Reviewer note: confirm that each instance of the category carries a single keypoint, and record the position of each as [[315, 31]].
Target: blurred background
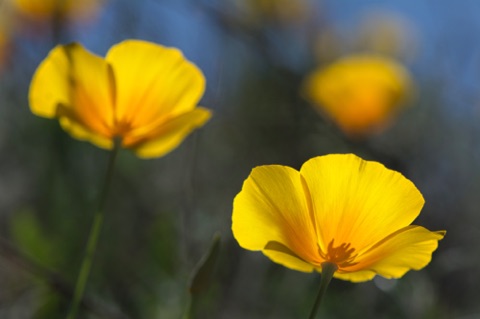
[[259, 57]]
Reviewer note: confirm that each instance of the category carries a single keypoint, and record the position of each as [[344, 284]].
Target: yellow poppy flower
[[142, 93], [46, 9], [337, 209], [360, 93]]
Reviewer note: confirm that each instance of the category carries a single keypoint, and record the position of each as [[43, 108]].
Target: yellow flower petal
[[358, 202], [168, 135], [408, 248], [285, 257], [78, 131], [49, 87], [357, 276], [272, 209], [75, 86], [153, 83]]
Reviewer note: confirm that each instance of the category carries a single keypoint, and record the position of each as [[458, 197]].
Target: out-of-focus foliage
[[202, 277], [32, 238], [162, 213]]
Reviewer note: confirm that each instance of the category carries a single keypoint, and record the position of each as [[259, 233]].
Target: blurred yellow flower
[[284, 11], [360, 93], [3, 45], [337, 209], [5, 35], [142, 93], [46, 9]]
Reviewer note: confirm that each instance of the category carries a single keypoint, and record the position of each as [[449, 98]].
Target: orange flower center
[[121, 128], [342, 255]]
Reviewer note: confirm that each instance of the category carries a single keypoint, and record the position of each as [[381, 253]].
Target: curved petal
[[79, 132], [272, 208], [74, 85], [288, 259], [357, 276], [167, 136], [408, 248], [49, 87], [152, 82], [358, 202]]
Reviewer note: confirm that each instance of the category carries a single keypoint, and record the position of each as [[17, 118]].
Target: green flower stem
[[328, 269], [93, 237]]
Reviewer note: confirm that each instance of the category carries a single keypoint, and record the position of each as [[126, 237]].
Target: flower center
[[121, 128], [342, 255]]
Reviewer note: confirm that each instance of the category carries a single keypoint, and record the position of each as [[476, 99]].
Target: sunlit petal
[[409, 248], [78, 131], [357, 201], [357, 276], [74, 84], [50, 87], [287, 259], [272, 209], [153, 83], [162, 139]]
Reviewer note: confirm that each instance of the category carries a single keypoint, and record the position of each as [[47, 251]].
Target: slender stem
[[54, 280], [188, 308], [328, 269], [93, 238]]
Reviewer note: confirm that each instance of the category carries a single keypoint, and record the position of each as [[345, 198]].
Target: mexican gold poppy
[[360, 93], [46, 9], [141, 93], [337, 209]]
